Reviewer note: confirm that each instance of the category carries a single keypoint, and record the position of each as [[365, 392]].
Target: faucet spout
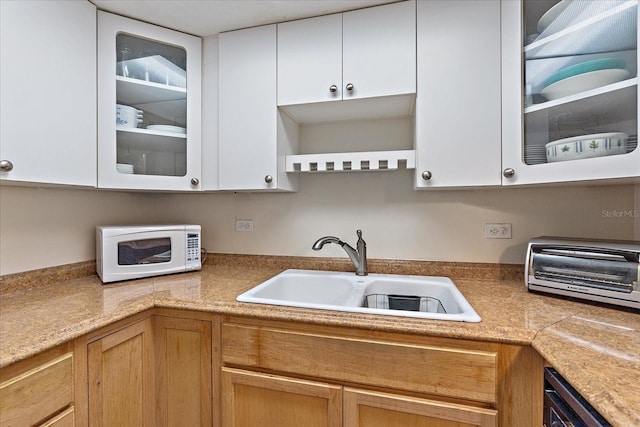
[[358, 256], [319, 244]]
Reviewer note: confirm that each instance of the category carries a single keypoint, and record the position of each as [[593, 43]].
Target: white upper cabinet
[[210, 109], [570, 91], [48, 86], [149, 106], [310, 60], [458, 126], [362, 55], [254, 137], [379, 51]]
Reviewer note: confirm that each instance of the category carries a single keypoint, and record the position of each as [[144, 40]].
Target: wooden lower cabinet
[[164, 368], [150, 370], [120, 379], [257, 399], [252, 399], [386, 379], [183, 372], [39, 390], [364, 408]]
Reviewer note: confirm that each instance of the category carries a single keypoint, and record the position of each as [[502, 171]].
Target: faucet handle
[[361, 265]]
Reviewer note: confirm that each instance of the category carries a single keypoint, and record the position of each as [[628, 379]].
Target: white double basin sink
[[427, 297]]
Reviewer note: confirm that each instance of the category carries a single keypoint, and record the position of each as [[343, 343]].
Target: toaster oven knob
[[509, 173], [195, 181]]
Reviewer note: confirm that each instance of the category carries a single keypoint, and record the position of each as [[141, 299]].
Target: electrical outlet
[[244, 225], [497, 231]]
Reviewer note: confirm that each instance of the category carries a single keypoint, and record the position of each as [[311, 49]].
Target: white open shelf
[[165, 101], [383, 107], [359, 161], [629, 84], [135, 91], [150, 140]]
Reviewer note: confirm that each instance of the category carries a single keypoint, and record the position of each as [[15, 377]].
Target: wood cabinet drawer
[[453, 372], [64, 419], [38, 393], [376, 409]]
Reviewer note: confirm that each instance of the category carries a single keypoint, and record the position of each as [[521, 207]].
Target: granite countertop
[[594, 347]]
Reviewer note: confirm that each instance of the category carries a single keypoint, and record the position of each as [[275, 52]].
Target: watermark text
[[616, 213]]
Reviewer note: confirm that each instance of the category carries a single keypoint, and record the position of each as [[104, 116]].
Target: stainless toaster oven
[[597, 270]]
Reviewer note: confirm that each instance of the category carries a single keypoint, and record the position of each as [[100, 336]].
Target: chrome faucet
[[358, 256]]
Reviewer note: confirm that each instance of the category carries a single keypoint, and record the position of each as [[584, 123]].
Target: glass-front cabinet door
[[570, 91], [149, 90]]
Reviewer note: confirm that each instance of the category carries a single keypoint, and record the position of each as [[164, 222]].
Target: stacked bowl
[[128, 117], [586, 146], [124, 168]]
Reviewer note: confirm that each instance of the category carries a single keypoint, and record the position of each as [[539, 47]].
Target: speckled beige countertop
[[597, 349]]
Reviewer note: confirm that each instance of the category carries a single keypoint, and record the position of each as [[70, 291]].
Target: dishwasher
[[564, 407]]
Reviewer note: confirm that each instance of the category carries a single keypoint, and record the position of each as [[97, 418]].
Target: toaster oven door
[[607, 272]]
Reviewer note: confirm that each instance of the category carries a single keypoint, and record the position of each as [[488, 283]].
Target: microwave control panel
[[193, 250]]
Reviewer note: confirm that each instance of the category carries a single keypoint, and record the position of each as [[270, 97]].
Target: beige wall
[[46, 227], [399, 223]]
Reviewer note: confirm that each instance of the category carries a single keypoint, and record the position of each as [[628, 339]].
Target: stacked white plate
[[128, 117], [124, 168], [632, 143], [535, 154], [167, 128], [552, 14]]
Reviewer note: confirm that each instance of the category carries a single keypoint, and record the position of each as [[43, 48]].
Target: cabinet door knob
[[508, 172], [6, 166], [195, 181], [426, 175], [349, 87], [268, 179], [333, 88]]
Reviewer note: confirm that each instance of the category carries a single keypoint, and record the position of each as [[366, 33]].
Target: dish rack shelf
[[629, 86], [585, 27], [404, 302], [347, 162]]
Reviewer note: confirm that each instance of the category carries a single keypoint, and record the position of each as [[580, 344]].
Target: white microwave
[[132, 252]]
